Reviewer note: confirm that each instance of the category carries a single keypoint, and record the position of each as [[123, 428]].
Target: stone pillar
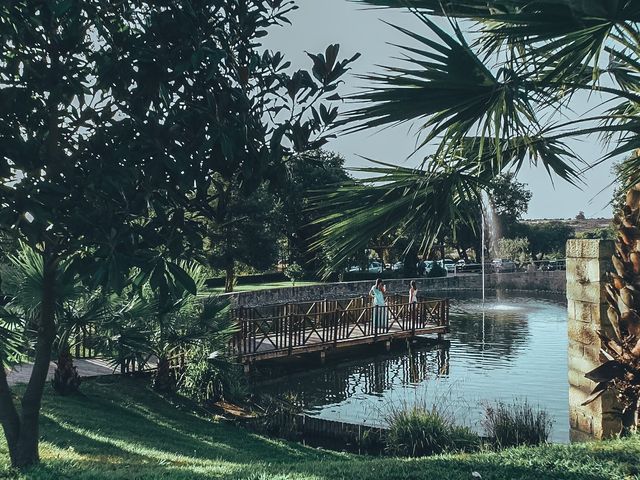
[[588, 261]]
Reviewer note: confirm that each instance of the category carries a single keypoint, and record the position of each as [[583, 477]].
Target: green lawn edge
[[118, 428]]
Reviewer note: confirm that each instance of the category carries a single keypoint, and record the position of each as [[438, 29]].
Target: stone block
[[580, 363], [581, 421], [588, 270], [587, 248], [576, 436], [583, 333], [590, 292], [578, 381]]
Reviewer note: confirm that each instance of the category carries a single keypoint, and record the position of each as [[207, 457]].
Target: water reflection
[[516, 348]]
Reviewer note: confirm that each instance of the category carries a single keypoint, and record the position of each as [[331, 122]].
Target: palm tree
[[487, 102], [76, 311], [161, 324]]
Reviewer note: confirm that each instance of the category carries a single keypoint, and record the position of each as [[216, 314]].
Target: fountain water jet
[[490, 219]]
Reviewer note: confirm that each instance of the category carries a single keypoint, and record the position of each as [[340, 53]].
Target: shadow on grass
[[355, 469], [140, 419], [120, 429]]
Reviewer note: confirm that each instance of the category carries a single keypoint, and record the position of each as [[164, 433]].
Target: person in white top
[[413, 292], [413, 301]]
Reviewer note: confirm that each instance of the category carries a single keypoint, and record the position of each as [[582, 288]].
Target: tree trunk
[[26, 449], [230, 277], [164, 381], [66, 379], [9, 417]]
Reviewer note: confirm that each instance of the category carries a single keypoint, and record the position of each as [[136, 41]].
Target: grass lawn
[[120, 429], [261, 286]]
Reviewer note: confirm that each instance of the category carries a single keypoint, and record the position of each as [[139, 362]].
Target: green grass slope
[[120, 429]]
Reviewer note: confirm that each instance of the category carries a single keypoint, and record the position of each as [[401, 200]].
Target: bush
[[437, 270], [209, 380], [294, 272], [416, 432], [518, 423]]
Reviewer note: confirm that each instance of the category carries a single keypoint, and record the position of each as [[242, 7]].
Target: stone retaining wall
[[554, 281]]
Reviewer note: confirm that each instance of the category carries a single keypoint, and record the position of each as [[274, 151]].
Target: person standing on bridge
[[413, 301], [413, 292], [379, 306]]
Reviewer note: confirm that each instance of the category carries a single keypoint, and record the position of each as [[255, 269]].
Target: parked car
[[375, 267], [555, 265], [448, 264], [428, 265], [502, 265], [469, 268], [397, 266]]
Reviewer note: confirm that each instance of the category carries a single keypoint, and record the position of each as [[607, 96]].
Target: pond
[[513, 349]]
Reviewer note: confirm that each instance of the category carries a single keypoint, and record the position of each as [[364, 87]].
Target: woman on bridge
[[379, 306]]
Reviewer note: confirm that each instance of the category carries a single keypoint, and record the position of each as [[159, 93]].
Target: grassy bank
[[119, 429], [262, 286]]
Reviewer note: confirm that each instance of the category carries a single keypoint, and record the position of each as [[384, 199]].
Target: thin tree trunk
[[9, 416], [27, 446], [230, 277]]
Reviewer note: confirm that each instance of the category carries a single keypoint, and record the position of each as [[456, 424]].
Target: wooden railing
[[294, 326]]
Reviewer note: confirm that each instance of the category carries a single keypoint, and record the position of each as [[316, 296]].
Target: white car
[[375, 267], [449, 265], [397, 266]]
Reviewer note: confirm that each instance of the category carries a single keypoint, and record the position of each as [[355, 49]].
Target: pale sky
[[318, 23]]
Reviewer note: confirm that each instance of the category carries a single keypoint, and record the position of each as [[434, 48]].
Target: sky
[[319, 23]]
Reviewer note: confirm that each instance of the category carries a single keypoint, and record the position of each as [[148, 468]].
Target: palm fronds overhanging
[[503, 94], [491, 85]]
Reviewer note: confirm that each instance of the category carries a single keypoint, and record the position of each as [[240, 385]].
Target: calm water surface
[[515, 349]]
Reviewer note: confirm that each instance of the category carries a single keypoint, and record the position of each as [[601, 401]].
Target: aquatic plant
[[417, 431], [517, 423]]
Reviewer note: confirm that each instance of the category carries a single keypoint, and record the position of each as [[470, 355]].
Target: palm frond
[[451, 92], [394, 197]]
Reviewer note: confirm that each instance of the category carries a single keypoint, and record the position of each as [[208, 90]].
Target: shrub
[[294, 272], [518, 423], [416, 431], [209, 380]]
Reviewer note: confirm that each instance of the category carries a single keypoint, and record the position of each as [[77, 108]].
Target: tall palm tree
[[492, 85]]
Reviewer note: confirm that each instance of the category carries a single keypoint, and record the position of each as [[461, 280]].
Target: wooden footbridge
[[283, 330]]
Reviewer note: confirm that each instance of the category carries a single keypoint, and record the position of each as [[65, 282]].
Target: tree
[[164, 325], [114, 120], [548, 238], [67, 193], [489, 104], [308, 174], [517, 249], [510, 201], [246, 233]]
